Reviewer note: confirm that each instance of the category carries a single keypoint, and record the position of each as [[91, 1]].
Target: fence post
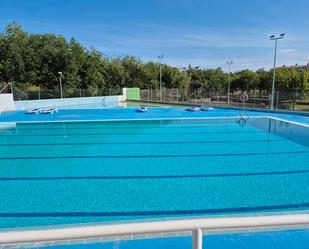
[[12, 88], [277, 102], [151, 94], [197, 239], [164, 95]]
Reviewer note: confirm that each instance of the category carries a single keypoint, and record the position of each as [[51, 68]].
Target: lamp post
[[274, 38], [160, 58], [60, 82], [229, 86]]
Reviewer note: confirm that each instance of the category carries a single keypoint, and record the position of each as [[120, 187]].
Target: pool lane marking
[[130, 134], [131, 119], [167, 123], [162, 127], [256, 116], [148, 124], [156, 156], [53, 178], [145, 143], [153, 213]]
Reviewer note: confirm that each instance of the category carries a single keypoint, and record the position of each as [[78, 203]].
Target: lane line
[[56, 178], [157, 156], [159, 212], [145, 143], [130, 134]]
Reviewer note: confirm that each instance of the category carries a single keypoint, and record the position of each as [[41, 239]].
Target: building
[[298, 68]]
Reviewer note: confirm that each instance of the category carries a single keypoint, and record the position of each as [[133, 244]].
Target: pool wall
[[6, 102], [46, 103]]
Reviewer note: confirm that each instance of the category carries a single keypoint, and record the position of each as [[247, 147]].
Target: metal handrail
[[10, 83], [194, 225]]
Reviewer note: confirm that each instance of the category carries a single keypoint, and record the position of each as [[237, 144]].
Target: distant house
[[298, 68]]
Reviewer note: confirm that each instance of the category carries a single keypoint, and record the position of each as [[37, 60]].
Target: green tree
[[245, 80], [197, 78], [12, 53], [93, 73], [32, 62], [265, 80], [217, 79]]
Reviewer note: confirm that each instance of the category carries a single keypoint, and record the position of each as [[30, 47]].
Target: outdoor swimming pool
[[78, 172]]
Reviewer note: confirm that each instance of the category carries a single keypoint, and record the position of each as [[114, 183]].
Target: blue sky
[[197, 32]]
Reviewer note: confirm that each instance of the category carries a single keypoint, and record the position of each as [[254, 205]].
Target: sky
[[197, 32]]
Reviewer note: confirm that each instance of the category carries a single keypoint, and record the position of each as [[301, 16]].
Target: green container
[[133, 93]]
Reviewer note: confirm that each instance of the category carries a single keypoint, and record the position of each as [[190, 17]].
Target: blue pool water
[[78, 172]]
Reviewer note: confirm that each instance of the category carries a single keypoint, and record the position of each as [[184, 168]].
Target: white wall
[[7, 102], [48, 103], [123, 97], [7, 125]]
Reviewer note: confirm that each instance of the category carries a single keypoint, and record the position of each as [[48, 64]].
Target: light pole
[[160, 58], [229, 86], [60, 82], [274, 38]]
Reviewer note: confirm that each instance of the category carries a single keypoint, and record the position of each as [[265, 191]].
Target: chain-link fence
[[167, 95], [292, 100], [286, 100], [37, 94]]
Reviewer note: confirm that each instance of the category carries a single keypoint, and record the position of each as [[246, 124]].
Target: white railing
[[196, 226]]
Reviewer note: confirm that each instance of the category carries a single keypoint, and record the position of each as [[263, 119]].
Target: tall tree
[[32, 61], [245, 80]]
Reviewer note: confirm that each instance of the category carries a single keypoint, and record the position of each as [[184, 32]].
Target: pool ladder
[[244, 117]]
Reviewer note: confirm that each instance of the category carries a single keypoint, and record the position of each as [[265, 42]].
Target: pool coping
[[140, 237], [288, 121], [161, 234], [156, 119]]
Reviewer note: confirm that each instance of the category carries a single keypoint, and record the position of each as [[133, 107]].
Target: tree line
[[33, 61]]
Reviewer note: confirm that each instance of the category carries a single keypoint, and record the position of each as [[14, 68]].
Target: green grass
[[301, 107]]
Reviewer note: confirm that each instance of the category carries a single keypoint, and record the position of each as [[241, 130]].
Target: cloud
[[204, 47], [183, 45], [287, 51]]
